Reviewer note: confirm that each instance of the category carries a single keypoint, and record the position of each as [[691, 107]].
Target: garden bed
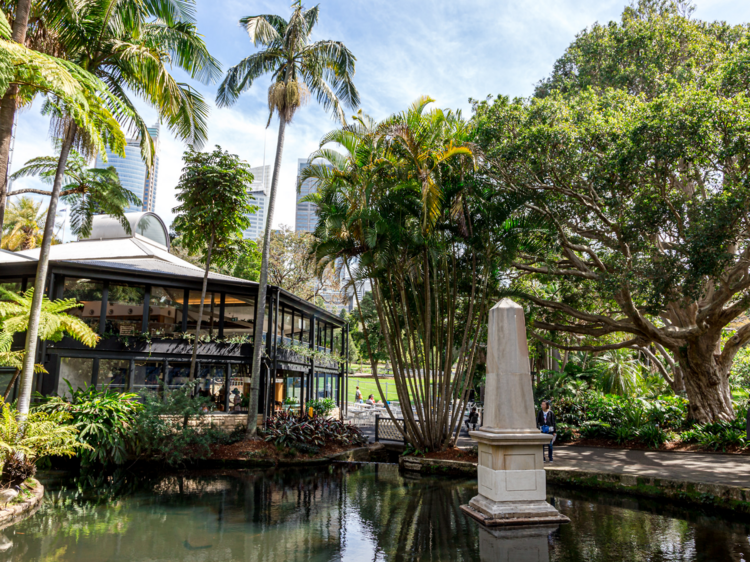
[[454, 454]]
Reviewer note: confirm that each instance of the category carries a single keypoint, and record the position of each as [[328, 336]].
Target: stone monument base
[[516, 514]]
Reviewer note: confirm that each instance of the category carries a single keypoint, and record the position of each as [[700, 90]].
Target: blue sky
[[449, 50]]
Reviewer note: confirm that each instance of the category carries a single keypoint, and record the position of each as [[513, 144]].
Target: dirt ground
[[258, 450]]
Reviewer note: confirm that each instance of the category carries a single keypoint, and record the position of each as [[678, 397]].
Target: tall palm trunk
[[8, 107], [260, 303], [200, 308], [27, 372]]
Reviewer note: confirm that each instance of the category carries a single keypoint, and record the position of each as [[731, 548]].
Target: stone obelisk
[[512, 483]]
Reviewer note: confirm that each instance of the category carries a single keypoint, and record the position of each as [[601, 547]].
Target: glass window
[[89, 294], [178, 374], [165, 312], [305, 327], [148, 374], [125, 309], [239, 316], [75, 370], [150, 227], [212, 383], [6, 375], [114, 374], [211, 310]]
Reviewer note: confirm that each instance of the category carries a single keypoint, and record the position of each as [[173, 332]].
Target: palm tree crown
[[297, 66], [24, 225]]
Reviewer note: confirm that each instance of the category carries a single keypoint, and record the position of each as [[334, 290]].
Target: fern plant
[[54, 323], [39, 435]]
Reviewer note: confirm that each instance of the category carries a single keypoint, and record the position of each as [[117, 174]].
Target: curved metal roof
[[148, 225]]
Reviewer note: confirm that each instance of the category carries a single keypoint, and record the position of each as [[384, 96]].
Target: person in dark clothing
[[545, 421], [473, 420]]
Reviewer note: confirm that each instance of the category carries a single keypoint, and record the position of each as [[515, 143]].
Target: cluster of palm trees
[[403, 203]]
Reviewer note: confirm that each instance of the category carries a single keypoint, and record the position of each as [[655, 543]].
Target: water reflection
[[342, 513]]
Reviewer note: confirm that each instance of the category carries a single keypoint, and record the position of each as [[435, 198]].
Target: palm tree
[[24, 225], [26, 68], [402, 202], [127, 44], [298, 69], [88, 191], [619, 372]]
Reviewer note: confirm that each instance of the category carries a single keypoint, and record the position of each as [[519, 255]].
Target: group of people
[[370, 399]]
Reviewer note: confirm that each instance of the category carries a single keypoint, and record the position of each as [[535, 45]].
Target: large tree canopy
[[635, 155]]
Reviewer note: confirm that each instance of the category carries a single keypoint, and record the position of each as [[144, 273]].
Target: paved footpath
[[732, 470]]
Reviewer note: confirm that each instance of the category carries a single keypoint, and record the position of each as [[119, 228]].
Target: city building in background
[[259, 189], [306, 215], [133, 172]]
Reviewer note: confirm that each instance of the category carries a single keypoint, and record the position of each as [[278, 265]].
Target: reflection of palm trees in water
[[417, 520]]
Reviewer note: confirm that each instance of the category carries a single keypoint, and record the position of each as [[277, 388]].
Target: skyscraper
[[306, 215], [133, 172], [259, 190]]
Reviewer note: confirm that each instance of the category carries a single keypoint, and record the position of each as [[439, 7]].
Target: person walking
[[358, 396], [545, 421], [472, 420]]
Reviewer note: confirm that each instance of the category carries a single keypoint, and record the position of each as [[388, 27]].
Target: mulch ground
[[675, 446], [454, 454], [261, 450]]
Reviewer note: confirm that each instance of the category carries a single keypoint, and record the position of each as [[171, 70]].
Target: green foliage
[[620, 372], [104, 421], [322, 406], [299, 67], [214, 204], [39, 435], [23, 227], [652, 436], [288, 430], [172, 426], [88, 191], [634, 153]]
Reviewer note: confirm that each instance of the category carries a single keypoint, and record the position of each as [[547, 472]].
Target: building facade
[[133, 172], [144, 303], [259, 189], [306, 214]]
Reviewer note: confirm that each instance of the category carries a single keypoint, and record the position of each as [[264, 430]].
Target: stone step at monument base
[[526, 513]]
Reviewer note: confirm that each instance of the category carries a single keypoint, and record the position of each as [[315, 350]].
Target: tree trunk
[[8, 107], [260, 302], [27, 372], [200, 310], [706, 381]]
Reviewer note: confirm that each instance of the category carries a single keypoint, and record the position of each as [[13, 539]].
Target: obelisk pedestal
[[511, 477]]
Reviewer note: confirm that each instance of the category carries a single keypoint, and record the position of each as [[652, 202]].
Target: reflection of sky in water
[[343, 513]]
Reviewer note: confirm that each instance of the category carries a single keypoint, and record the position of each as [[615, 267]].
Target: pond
[[345, 512]]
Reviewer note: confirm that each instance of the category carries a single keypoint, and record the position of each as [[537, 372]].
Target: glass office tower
[[133, 172]]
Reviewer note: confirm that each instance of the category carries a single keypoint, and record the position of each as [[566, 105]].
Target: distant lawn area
[[368, 386]]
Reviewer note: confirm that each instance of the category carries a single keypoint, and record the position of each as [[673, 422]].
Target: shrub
[[596, 430], [322, 407], [652, 436], [624, 433], [172, 426], [717, 435], [104, 420], [42, 434], [564, 433], [288, 430]]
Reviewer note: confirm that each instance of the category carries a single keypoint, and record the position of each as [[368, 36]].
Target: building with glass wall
[[144, 303], [133, 172], [259, 190], [306, 214]]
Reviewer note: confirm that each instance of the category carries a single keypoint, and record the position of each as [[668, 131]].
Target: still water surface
[[346, 512]]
